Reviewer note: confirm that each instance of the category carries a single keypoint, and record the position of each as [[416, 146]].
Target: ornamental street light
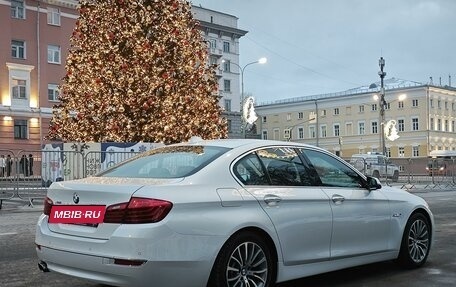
[[382, 75], [242, 98]]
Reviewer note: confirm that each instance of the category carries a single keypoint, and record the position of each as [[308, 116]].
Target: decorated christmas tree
[[137, 71]]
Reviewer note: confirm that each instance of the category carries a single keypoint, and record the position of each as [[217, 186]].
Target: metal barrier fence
[[26, 175]]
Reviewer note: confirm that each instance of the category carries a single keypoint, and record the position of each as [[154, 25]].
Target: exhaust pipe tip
[[43, 266]]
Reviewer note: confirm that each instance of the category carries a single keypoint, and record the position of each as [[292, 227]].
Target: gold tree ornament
[[137, 76]]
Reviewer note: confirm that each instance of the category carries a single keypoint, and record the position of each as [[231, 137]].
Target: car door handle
[[272, 199], [338, 199]]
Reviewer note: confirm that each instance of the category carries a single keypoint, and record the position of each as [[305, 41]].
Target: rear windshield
[[166, 162]]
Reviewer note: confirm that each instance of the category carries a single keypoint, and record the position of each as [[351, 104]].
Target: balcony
[[216, 52]]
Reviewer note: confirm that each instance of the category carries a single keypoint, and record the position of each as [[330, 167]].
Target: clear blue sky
[[323, 46]]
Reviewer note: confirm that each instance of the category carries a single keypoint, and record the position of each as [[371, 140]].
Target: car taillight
[[138, 210], [47, 206]]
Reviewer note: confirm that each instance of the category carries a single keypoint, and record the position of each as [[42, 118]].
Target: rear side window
[[167, 162]]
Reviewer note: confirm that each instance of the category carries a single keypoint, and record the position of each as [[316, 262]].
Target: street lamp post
[[382, 75], [241, 70]]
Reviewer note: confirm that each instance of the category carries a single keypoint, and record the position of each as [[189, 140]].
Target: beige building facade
[[34, 43], [349, 122]]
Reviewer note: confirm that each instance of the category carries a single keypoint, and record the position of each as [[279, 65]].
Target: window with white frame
[[374, 126], [287, 133], [323, 112], [431, 124], [213, 43], [300, 133], [213, 60], [415, 151], [53, 16], [227, 105], [415, 103], [300, 115], [415, 125], [264, 135], [388, 152], [401, 125], [18, 49], [323, 131], [401, 151], [348, 129], [289, 117], [439, 104], [19, 89], [400, 104], [446, 126], [387, 106], [17, 9], [446, 105], [431, 103], [226, 85], [374, 107], [336, 129], [53, 92], [265, 119], [336, 111], [226, 47], [361, 128], [20, 129], [312, 133], [226, 66], [361, 109], [54, 54], [453, 126], [439, 124]]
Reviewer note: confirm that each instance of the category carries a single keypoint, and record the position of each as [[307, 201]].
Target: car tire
[[245, 257], [395, 176], [416, 242], [376, 174]]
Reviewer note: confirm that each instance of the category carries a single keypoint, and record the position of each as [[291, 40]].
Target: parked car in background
[[375, 165], [436, 167], [229, 213]]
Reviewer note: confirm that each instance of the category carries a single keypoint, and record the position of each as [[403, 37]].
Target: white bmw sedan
[[228, 213]]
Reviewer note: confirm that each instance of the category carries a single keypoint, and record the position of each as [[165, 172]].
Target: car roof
[[235, 143]]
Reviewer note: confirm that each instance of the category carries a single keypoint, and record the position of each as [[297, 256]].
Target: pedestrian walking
[[2, 165], [9, 165], [30, 165]]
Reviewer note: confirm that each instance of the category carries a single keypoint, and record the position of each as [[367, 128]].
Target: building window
[[431, 103], [400, 104], [439, 124], [453, 106], [415, 125], [415, 103], [374, 107], [336, 130], [401, 151], [387, 106], [17, 9], [388, 152], [53, 16], [416, 151], [265, 135], [265, 119], [226, 47], [229, 126], [361, 109], [300, 115], [446, 105], [312, 132], [226, 66], [213, 43], [20, 129], [53, 92], [18, 49], [323, 131], [431, 124], [53, 54], [323, 112], [300, 133], [453, 126], [19, 89], [446, 127], [361, 128], [287, 134], [288, 117], [374, 126], [336, 111], [227, 105], [439, 104], [348, 129], [227, 85], [401, 125]]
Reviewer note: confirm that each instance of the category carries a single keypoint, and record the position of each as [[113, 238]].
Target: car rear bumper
[[171, 259]]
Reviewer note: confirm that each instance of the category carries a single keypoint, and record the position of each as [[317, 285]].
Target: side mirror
[[373, 183]]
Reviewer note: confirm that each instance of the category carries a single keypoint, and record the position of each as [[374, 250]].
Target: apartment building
[[34, 45], [423, 116]]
